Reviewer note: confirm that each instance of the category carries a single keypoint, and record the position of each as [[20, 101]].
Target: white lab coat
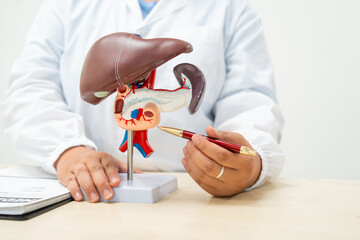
[[44, 114]]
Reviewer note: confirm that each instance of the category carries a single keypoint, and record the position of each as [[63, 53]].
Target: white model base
[[144, 188]]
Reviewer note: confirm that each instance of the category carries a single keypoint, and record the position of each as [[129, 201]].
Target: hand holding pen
[[229, 146], [219, 171]]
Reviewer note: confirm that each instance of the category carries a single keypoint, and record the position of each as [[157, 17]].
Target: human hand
[[203, 160], [81, 167]]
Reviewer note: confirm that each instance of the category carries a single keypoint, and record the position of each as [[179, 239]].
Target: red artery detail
[[139, 114], [140, 140]]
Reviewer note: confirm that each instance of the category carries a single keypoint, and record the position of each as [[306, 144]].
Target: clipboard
[[35, 213]]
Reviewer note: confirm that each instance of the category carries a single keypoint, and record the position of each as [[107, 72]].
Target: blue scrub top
[[146, 7]]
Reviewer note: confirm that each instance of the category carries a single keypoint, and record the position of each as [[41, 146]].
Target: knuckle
[[200, 144], [209, 167], [70, 179], [96, 168], [108, 164], [108, 161], [80, 169], [222, 156]]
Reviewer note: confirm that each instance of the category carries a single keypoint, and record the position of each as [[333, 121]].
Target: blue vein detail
[[125, 138], [134, 113], [141, 150]]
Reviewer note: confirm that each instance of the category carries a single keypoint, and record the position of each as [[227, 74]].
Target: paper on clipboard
[[20, 195]]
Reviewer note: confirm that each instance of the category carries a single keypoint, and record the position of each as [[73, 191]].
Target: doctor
[[52, 127]]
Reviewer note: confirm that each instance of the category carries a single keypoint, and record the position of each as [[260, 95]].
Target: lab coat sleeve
[[247, 103], [36, 116]]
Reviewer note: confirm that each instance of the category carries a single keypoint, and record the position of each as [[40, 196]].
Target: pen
[[232, 147]]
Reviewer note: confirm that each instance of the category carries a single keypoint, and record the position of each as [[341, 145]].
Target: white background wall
[[315, 47]]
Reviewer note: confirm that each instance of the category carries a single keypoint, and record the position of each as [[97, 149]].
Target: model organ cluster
[[126, 64]]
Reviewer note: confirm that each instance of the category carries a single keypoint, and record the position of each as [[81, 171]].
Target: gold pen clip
[[247, 151]]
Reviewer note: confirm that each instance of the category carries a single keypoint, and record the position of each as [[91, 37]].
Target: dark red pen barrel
[[187, 134], [229, 146]]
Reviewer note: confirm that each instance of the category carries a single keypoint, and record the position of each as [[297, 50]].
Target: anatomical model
[[126, 63]]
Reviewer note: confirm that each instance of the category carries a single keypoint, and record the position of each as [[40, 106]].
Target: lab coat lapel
[[133, 6], [162, 8]]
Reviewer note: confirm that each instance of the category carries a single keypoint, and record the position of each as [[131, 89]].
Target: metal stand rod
[[130, 155]]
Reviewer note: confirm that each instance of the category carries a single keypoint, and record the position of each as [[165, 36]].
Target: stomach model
[[126, 63]]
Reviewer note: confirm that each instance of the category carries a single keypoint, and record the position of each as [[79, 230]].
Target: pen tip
[[175, 131]]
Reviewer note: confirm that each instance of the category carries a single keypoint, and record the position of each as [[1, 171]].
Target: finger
[[122, 167], [231, 137], [100, 179], [226, 136], [212, 132], [230, 180], [137, 170], [202, 179], [111, 170], [207, 165], [194, 155], [219, 154], [74, 188], [86, 183], [191, 159], [199, 175]]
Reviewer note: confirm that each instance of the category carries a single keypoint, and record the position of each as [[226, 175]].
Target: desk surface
[[281, 209]]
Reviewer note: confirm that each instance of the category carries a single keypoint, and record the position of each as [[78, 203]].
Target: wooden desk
[[281, 209]]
